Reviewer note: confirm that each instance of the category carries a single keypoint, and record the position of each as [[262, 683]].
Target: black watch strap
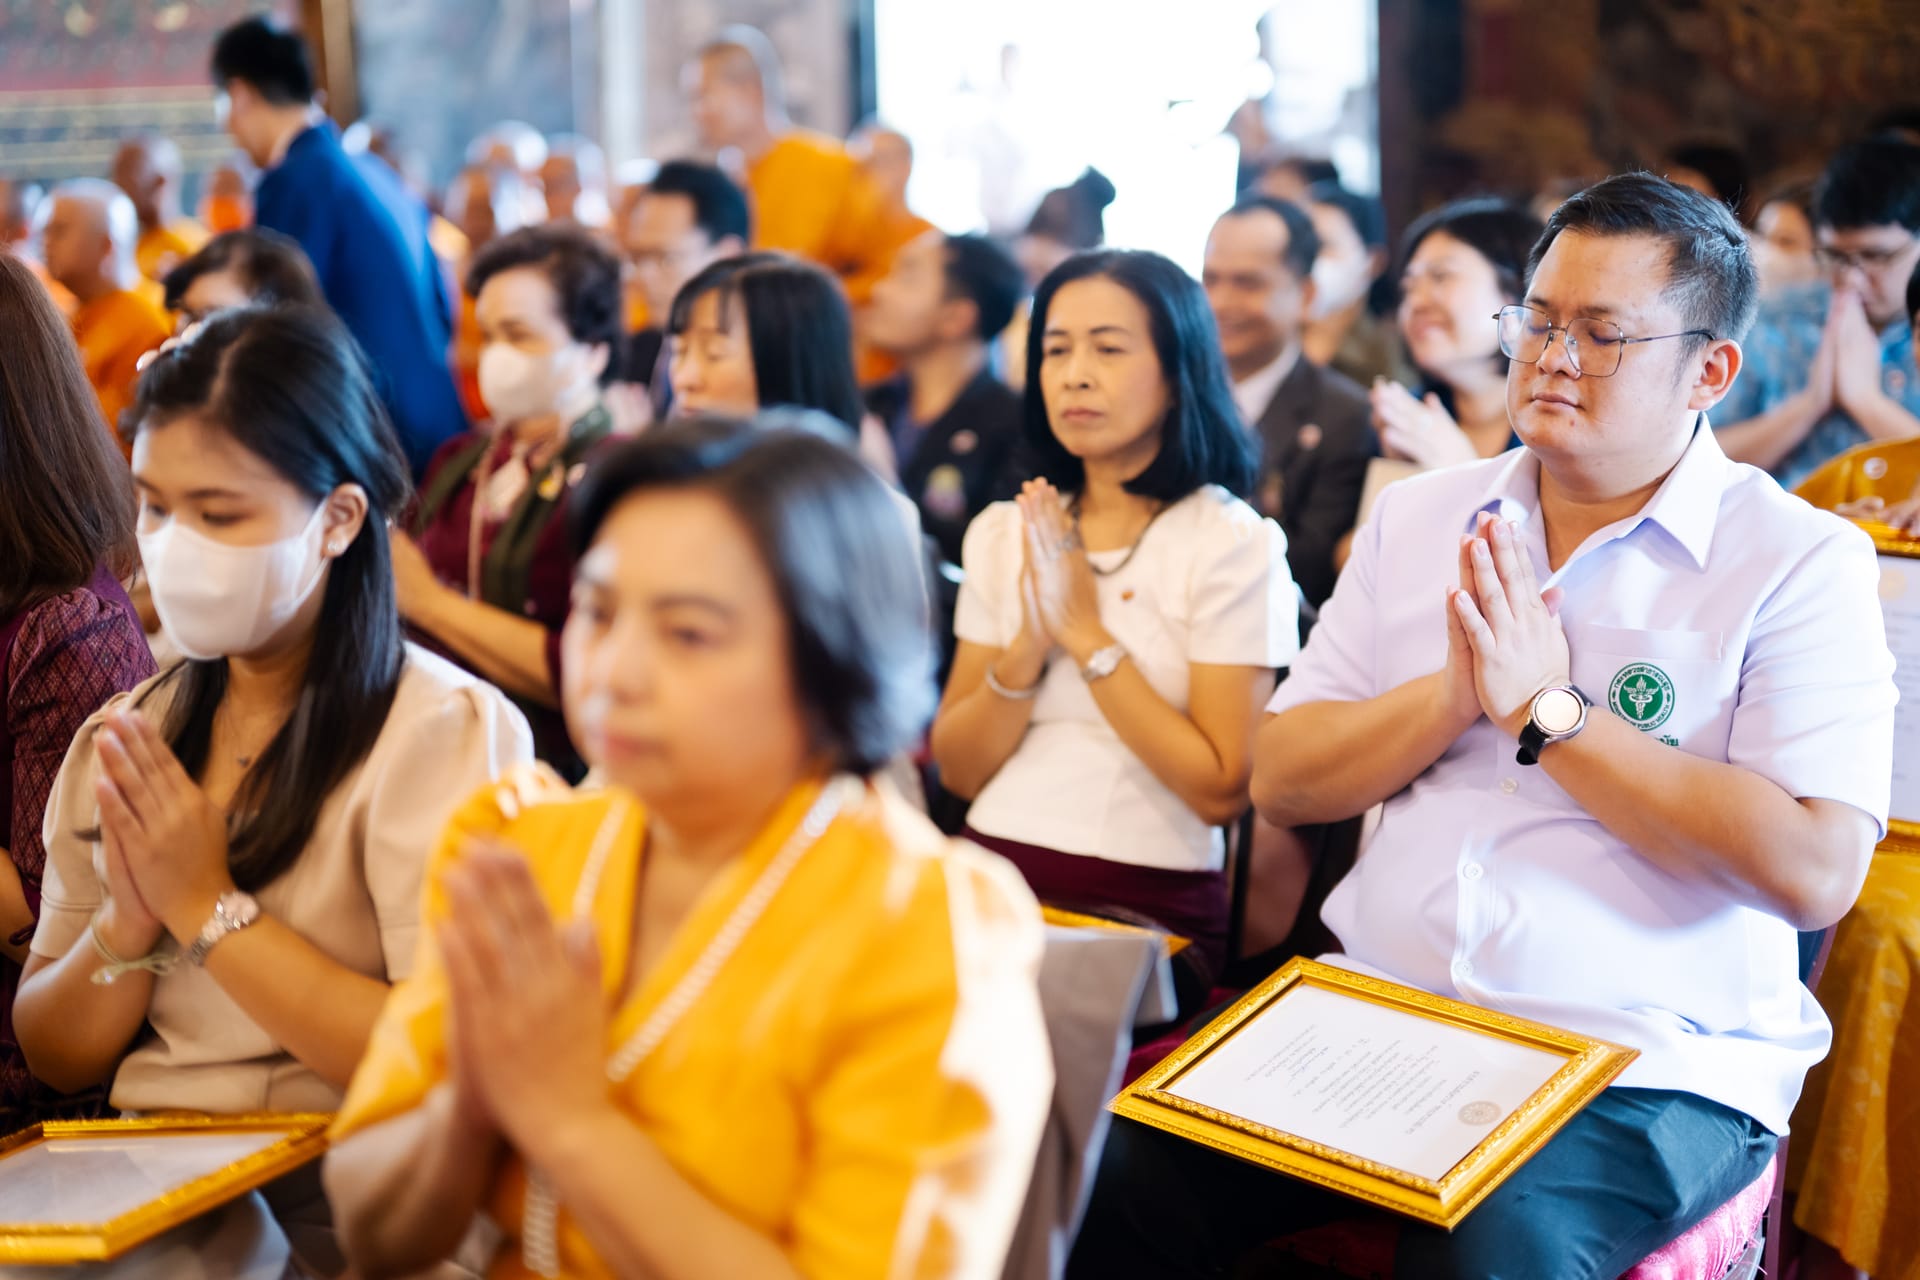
[[1533, 739]]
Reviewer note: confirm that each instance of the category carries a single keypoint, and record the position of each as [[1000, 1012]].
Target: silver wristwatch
[[1555, 714], [232, 913], [1103, 663]]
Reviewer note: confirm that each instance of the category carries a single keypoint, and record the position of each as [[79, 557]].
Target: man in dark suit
[[954, 426], [365, 235], [1315, 434]]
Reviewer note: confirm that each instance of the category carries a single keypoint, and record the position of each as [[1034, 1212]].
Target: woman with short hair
[[763, 330], [255, 267], [486, 571], [742, 1012]]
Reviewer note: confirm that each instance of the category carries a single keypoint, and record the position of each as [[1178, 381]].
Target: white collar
[[1253, 393], [1686, 505]]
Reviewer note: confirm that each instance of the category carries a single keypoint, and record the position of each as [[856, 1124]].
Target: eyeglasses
[[1593, 347], [660, 259], [1868, 260]]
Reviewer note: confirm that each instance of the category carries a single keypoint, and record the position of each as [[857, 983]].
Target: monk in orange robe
[[810, 196], [484, 201], [887, 157], [147, 168], [89, 241], [226, 204], [16, 227]]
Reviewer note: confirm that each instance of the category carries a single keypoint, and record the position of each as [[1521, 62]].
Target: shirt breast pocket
[[1676, 685]]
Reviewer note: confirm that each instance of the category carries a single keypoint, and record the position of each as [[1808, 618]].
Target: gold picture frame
[[1903, 833], [1173, 942], [1589, 1066], [304, 1140]]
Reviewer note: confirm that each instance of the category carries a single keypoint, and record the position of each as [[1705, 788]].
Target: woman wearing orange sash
[[743, 1012]]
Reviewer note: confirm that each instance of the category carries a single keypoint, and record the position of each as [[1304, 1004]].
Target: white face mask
[[518, 386], [1338, 283], [218, 601]]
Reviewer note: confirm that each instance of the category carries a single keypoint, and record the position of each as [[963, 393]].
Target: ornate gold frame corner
[[69, 1242], [1590, 1066]]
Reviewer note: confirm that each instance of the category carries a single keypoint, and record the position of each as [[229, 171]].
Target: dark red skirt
[[1192, 904]]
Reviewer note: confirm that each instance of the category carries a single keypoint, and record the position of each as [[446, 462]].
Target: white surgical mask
[[218, 601], [518, 386], [1338, 283]]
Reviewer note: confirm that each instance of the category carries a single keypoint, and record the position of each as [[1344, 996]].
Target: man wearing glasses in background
[[1628, 708], [691, 216], [1832, 366]]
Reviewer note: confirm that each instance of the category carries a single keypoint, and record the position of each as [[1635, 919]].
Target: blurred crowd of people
[[696, 490]]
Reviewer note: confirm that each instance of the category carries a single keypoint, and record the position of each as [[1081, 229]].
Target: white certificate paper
[[1401, 1090], [1900, 605]]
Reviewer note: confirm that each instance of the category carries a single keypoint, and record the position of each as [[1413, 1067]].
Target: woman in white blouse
[[1120, 622], [235, 849]]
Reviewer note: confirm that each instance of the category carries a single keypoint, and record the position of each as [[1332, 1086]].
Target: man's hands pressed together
[[1509, 627]]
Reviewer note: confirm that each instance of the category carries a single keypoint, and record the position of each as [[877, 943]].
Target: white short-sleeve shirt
[[1208, 583], [354, 891], [1727, 619]]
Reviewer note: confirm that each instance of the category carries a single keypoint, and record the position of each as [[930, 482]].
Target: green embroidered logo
[[1641, 695]]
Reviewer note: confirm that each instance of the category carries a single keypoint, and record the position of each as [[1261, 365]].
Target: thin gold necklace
[[1073, 509]]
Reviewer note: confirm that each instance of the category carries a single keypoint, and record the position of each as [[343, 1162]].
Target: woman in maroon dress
[[69, 640], [487, 574]]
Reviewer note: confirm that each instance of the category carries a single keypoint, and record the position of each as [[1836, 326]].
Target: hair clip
[[184, 337]]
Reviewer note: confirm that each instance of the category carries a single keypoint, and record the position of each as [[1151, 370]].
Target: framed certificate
[[82, 1190], [1405, 1100], [1900, 606]]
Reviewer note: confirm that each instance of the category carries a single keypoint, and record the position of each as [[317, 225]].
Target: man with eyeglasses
[[1628, 708], [691, 216], [1832, 366]]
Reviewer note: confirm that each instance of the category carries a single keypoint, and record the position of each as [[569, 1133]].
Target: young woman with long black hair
[[234, 850]]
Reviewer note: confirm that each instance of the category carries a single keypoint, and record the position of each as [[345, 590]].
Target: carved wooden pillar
[[328, 25]]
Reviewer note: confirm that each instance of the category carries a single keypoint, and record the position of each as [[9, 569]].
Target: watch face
[[1557, 711]]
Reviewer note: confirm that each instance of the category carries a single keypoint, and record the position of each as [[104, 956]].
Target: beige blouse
[[354, 892]]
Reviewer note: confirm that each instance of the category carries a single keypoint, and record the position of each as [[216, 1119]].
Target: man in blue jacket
[[366, 236]]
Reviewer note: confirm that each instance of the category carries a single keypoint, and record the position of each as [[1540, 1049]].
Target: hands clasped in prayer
[[1057, 588], [1903, 515], [1420, 431], [1846, 369], [1504, 639], [164, 843], [517, 979]]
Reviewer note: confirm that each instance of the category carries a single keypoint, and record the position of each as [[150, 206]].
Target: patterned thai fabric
[[60, 660], [1711, 1246]]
